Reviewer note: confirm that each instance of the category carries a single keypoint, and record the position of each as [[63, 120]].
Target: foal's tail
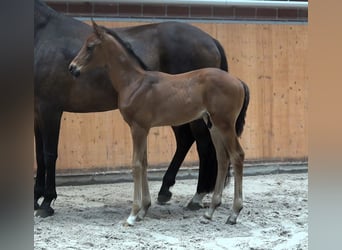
[[240, 122], [224, 62]]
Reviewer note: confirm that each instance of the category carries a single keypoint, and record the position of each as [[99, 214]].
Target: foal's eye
[[90, 47]]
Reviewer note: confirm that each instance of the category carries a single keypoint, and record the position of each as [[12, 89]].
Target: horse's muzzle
[[74, 70]]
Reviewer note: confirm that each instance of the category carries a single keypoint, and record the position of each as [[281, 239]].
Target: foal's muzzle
[[74, 70]]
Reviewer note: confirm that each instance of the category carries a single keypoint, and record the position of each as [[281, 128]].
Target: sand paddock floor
[[275, 216]]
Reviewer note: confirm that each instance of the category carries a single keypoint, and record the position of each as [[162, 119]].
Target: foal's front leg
[[146, 197], [139, 162]]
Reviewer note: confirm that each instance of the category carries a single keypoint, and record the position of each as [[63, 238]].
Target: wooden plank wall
[[271, 58]]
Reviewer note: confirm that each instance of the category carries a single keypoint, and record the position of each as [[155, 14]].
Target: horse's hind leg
[[184, 140], [207, 163], [222, 161], [139, 137]]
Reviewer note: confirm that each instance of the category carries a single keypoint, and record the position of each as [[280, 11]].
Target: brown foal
[[149, 99]]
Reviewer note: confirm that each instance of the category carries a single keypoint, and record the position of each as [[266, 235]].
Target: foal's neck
[[124, 70]]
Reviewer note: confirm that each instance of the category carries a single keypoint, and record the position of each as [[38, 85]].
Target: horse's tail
[[224, 62], [240, 122]]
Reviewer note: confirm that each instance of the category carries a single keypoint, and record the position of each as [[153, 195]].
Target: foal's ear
[[99, 31]]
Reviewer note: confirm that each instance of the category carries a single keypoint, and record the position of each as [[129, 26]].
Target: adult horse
[[58, 38], [149, 99]]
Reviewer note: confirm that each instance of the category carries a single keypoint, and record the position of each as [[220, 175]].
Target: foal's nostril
[[73, 70]]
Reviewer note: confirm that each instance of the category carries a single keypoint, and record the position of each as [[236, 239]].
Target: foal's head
[[93, 53]]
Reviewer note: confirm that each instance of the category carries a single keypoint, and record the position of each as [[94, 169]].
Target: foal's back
[[201, 83], [178, 99]]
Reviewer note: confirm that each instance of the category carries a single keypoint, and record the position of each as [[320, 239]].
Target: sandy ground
[[275, 216]]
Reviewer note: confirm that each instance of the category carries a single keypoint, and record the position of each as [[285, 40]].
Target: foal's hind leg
[[222, 162], [139, 136], [236, 156]]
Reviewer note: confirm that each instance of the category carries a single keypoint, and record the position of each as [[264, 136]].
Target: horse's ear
[[97, 29]]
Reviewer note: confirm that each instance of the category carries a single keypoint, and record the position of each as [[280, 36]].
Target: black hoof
[[45, 212], [36, 206], [164, 197], [194, 206], [231, 221]]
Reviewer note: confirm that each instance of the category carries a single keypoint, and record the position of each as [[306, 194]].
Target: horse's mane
[[126, 46], [42, 14]]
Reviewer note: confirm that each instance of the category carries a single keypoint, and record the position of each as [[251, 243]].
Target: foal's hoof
[[45, 212], [164, 197], [126, 224], [231, 220], [207, 216], [194, 206], [130, 221]]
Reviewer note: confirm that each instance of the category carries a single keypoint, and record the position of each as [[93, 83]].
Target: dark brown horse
[[149, 99], [57, 39]]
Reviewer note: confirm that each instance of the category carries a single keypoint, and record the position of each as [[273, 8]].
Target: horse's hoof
[[44, 212], [164, 197], [194, 206], [36, 206]]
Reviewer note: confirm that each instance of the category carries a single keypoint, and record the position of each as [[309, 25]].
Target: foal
[[149, 99]]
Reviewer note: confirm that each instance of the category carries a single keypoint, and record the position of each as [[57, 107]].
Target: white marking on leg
[[131, 220], [209, 213]]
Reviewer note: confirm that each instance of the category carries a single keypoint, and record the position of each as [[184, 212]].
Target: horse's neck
[[124, 70]]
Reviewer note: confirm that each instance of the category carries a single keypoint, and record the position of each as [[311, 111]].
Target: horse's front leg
[[39, 186], [139, 137], [49, 126]]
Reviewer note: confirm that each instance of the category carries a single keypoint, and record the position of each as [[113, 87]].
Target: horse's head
[[92, 54]]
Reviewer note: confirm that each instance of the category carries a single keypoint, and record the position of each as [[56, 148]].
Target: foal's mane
[[126, 45]]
